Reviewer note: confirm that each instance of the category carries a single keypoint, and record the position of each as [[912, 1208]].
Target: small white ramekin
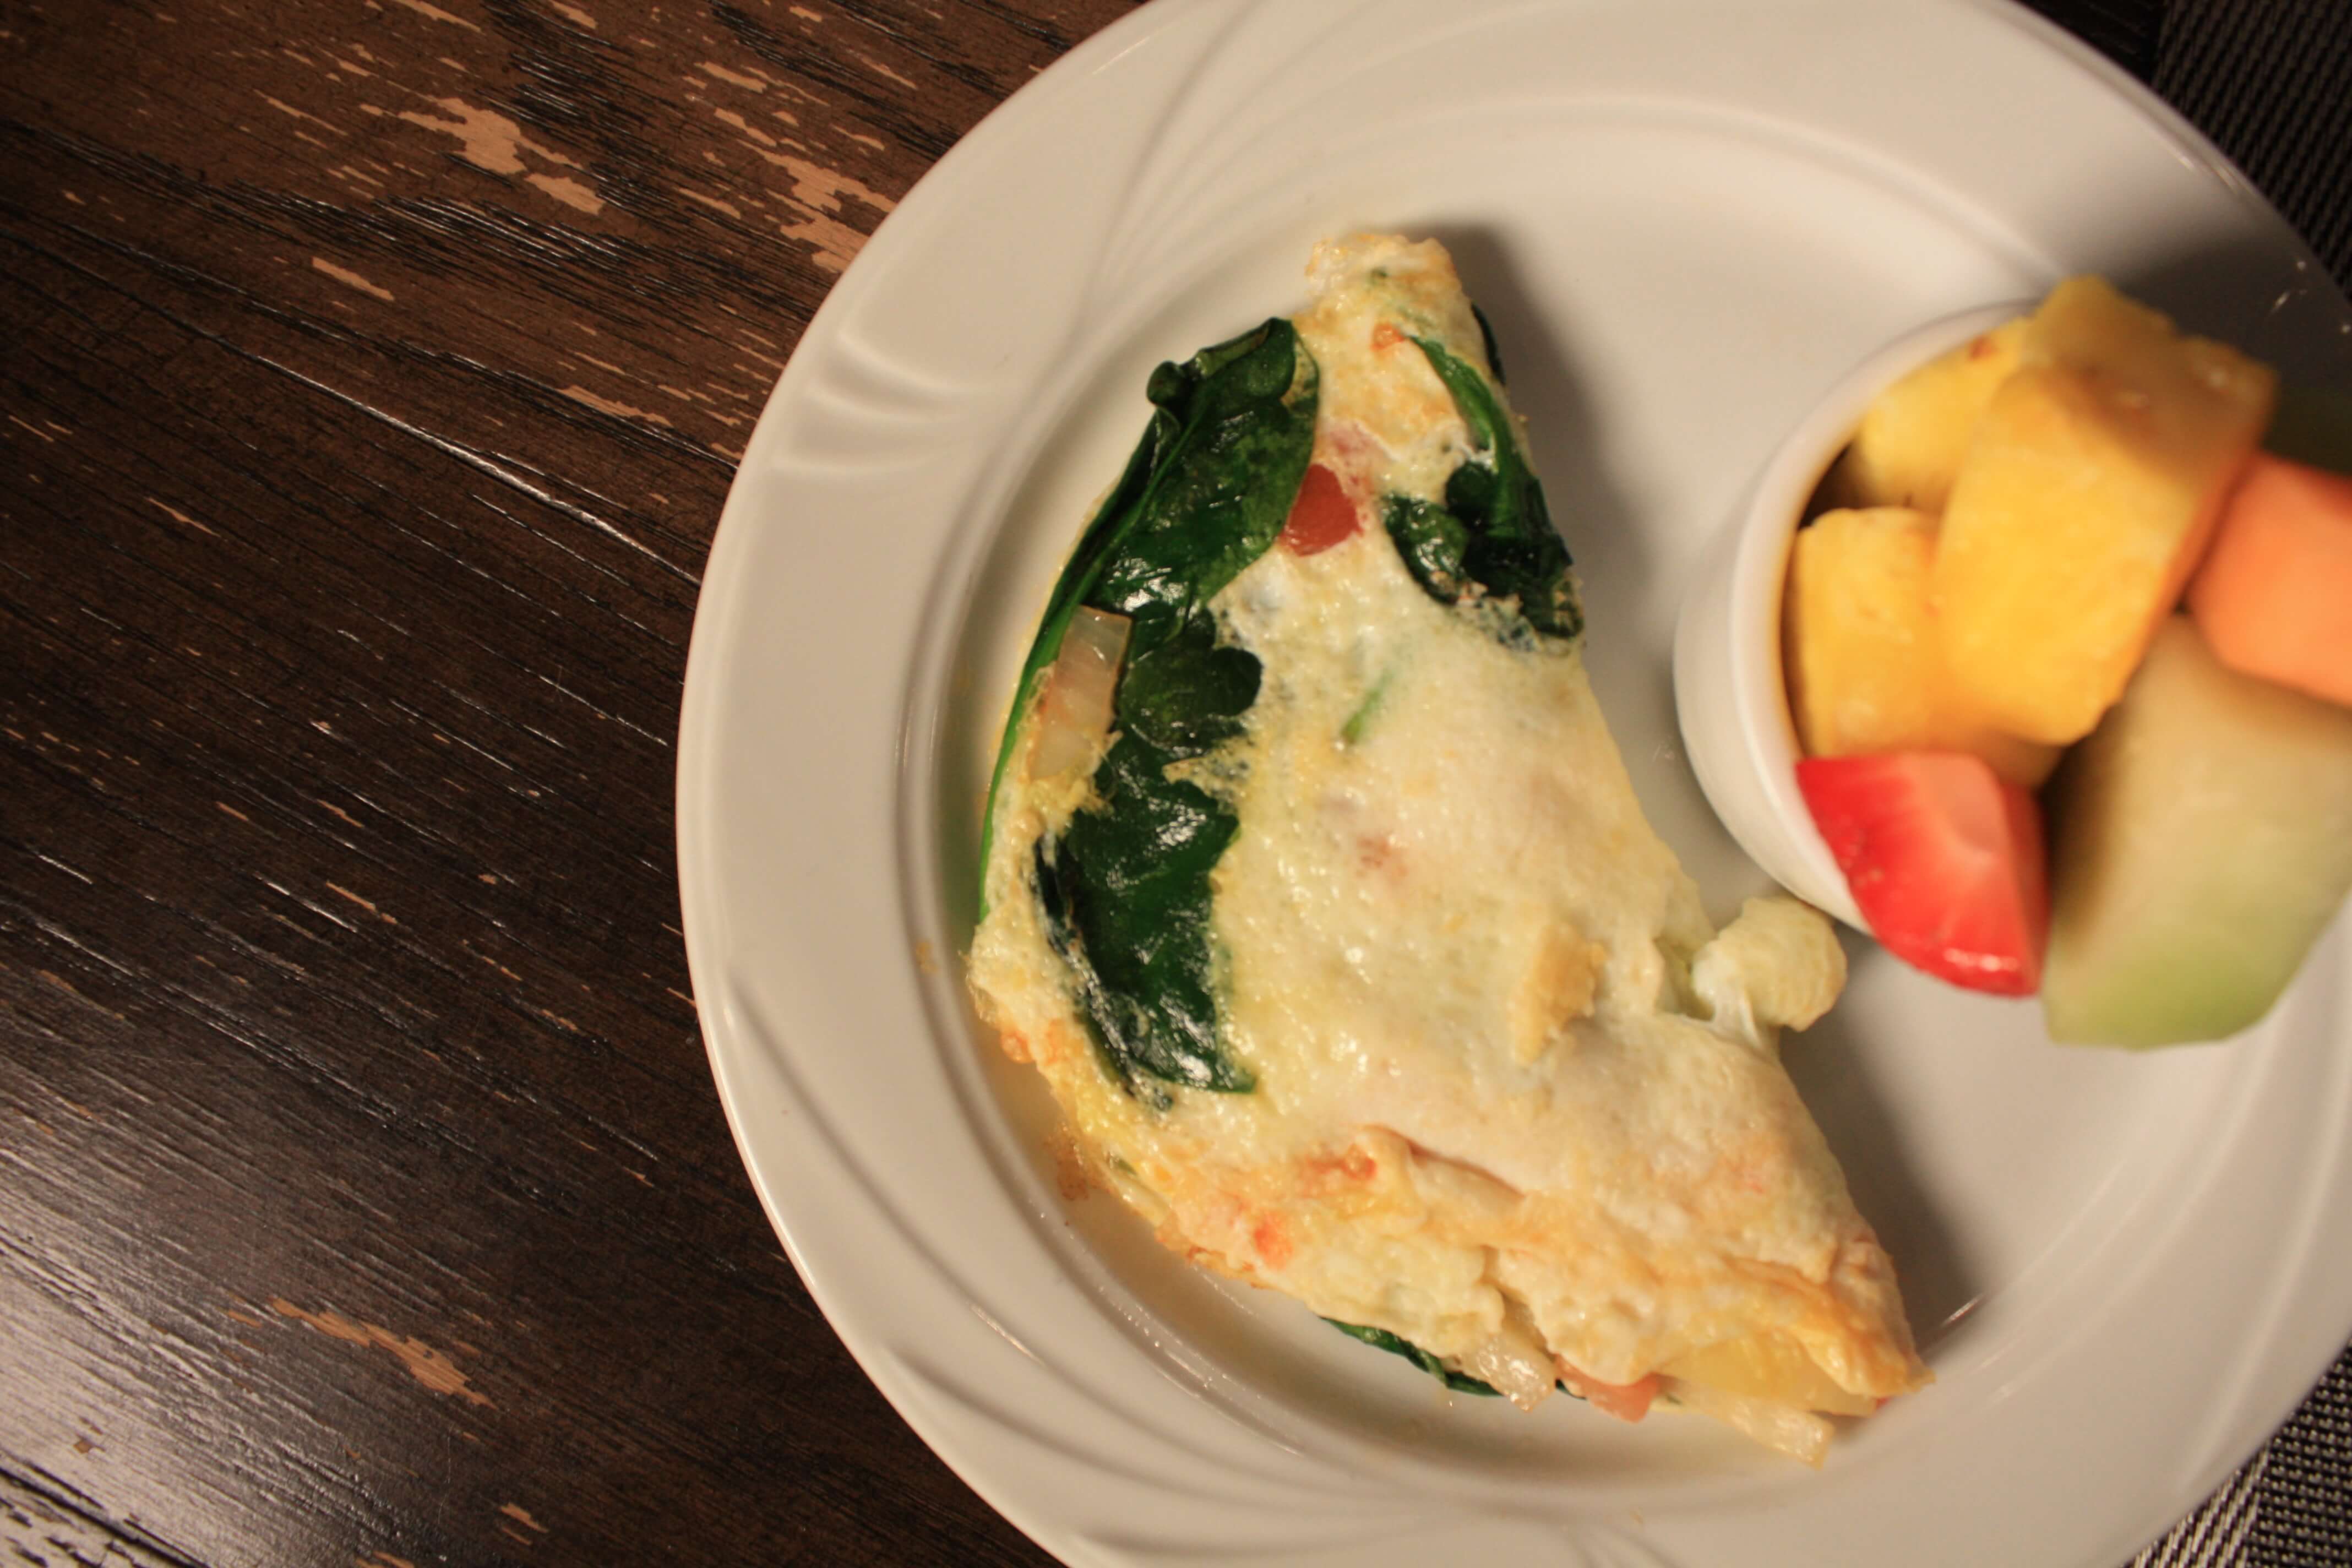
[[1729, 692]]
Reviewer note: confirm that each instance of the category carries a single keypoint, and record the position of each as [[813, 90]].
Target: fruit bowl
[[1730, 693]]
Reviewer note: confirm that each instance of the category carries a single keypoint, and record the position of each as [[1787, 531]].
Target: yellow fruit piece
[[1909, 447], [2090, 489], [1865, 668], [1769, 1366]]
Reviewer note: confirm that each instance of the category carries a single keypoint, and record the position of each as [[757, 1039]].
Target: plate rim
[[696, 746]]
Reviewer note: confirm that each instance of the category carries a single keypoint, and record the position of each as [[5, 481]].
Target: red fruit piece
[[1322, 516], [1944, 858]]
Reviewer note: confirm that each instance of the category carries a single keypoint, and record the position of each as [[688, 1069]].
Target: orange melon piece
[[2093, 481], [1865, 671], [2274, 595], [1907, 449]]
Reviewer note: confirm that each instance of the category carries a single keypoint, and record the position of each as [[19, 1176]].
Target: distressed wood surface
[[374, 372]]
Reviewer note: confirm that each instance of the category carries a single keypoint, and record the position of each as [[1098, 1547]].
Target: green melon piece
[[2201, 839]]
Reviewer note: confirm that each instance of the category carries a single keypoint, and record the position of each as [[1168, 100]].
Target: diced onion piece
[[1784, 1428], [1513, 1365], [1074, 711]]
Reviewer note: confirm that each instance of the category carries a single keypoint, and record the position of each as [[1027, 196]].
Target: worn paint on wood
[[376, 369], [377, 374], [428, 1366]]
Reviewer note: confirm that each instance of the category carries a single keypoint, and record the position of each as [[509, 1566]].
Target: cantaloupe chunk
[[2093, 482], [1865, 670], [2274, 595], [2200, 840], [1908, 448]]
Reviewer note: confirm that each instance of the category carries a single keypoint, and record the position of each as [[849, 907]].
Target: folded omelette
[[1315, 888]]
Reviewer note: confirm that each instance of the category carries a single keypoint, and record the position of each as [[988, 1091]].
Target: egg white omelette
[[1315, 888]]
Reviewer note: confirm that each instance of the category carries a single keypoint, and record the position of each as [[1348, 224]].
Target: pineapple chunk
[[1769, 1366], [1865, 668], [1909, 447], [2091, 486]]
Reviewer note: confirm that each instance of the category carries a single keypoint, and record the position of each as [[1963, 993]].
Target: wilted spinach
[[1189, 693], [1459, 1382], [1125, 888], [1380, 1339], [1125, 897], [1492, 539]]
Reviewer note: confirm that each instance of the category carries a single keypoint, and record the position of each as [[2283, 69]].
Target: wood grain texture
[[374, 372]]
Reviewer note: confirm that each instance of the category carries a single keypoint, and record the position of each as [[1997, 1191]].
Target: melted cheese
[[1515, 1101]]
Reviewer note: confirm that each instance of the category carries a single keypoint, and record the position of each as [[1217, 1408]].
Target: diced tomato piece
[[1272, 1239], [1322, 516], [1625, 1401], [1945, 859]]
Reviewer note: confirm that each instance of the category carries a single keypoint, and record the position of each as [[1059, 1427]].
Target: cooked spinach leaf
[[1203, 495], [1493, 349], [1125, 888], [1189, 693], [1460, 1382], [1380, 1339], [1492, 539], [1219, 500], [1432, 541], [1125, 893]]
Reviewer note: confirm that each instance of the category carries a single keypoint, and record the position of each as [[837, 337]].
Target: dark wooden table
[[374, 371]]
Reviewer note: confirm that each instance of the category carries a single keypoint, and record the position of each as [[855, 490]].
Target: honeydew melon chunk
[[2201, 839]]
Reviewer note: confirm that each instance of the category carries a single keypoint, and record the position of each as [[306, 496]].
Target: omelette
[[1315, 887]]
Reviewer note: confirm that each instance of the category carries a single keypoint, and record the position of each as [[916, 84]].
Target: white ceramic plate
[[1686, 217]]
